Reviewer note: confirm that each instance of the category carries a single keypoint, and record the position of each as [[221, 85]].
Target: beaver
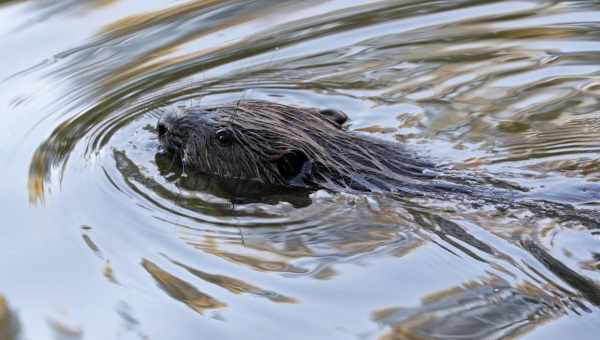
[[289, 146], [308, 148]]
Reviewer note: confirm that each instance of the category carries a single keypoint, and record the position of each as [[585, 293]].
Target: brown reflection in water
[[107, 272], [63, 330], [151, 60], [256, 263], [339, 240], [479, 109], [235, 286], [581, 136], [49, 156], [353, 229], [336, 246], [39, 172], [350, 231], [592, 264], [407, 248], [476, 310], [373, 223], [180, 290], [132, 24], [10, 327]]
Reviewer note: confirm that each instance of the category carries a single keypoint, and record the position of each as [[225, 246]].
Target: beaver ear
[[293, 166], [336, 116]]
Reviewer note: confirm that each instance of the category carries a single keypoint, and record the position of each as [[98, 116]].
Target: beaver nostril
[[162, 129]]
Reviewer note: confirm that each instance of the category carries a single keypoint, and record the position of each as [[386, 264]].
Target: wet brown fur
[[293, 146]]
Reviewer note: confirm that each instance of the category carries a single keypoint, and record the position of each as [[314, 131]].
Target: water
[[103, 239]]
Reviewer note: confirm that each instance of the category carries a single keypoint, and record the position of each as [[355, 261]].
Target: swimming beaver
[[308, 148], [284, 145]]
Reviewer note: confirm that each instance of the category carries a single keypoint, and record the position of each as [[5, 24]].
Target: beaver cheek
[[294, 167]]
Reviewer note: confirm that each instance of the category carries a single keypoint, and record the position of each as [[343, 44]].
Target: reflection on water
[[9, 323], [507, 90], [64, 329], [236, 286], [473, 311], [181, 290]]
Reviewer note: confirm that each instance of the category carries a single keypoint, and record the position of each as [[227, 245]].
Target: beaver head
[[285, 145]]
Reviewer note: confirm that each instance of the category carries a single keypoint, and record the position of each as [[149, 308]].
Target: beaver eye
[[224, 137]]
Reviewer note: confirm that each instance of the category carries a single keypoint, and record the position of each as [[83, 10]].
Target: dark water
[[102, 239]]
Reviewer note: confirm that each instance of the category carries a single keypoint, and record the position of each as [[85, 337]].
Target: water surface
[[102, 238]]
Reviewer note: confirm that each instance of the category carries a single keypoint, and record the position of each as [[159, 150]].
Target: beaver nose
[[165, 122], [162, 129]]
